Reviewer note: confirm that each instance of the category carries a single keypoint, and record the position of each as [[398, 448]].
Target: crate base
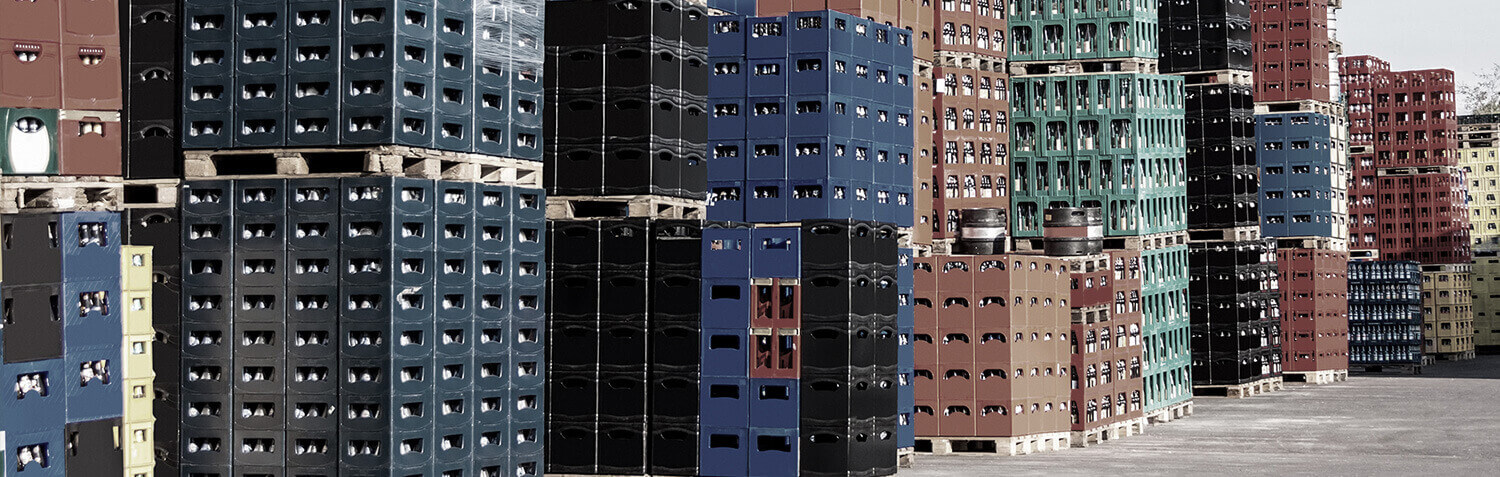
[[906, 457], [1240, 391], [1118, 430], [60, 193], [1386, 368], [1170, 413], [401, 161], [1316, 377], [623, 206], [1074, 67], [1012, 446]]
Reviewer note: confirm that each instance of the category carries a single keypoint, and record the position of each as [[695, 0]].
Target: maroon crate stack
[[970, 109], [64, 56], [1407, 195], [990, 356], [1292, 45], [1314, 309], [1106, 346]]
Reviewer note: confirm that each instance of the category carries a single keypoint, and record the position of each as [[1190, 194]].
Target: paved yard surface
[[1443, 422]]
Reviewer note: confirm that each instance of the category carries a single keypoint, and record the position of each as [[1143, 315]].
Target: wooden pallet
[[400, 161], [1300, 106], [1013, 446], [1316, 377], [1318, 243], [1240, 391], [1074, 67], [151, 193], [1235, 77], [60, 194], [1170, 413], [970, 61], [1232, 234], [1411, 171], [1387, 368], [905, 458], [1463, 356], [1118, 430], [653, 206]]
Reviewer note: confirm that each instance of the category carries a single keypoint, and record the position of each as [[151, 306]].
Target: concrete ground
[[1444, 422]]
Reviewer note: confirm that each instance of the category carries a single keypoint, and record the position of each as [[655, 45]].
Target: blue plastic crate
[[724, 451], [728, 117], [726, 351], [726, 254], [765, 37], [726, 160], [724, 402], [775, 252], [774, 402], [773, 451]]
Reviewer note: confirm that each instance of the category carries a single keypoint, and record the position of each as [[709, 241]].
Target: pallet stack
[[362, 239], [64, 342], [1302, 136], [812, 111], [1477, 152], [1234, 335], [79, 396], [1095, 126], [627, 130], [1385, 315], [1407, 196], [1106, 346]]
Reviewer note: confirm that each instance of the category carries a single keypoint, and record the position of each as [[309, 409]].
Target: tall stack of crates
[[1407, 198], [62, 344], [626, 90], [157, 226], [992, 353], [150, 40], [626, 131], [1477, 151], [1385, 314], [811, 115], [138, 442], [918, 17], [1294, 45], [1236, 329], [347, 325], [1314, 312], [1094, 125], [453, 75], [1106, 346], [60, 95], [970, 151], [810, 120], [1448, 311], [624, 328], [1302, 133]]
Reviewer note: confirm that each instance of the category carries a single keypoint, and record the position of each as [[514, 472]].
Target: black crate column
[[626, 136]]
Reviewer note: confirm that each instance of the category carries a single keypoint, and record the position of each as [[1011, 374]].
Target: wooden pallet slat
[[401, 161]]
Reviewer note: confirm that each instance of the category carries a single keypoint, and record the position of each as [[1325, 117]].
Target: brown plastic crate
[[32, 20], [91, 22], [89, 145], [31, 73], [91, 77]]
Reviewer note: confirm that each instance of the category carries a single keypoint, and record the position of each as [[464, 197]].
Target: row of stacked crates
[[1111, 30], [159, 229], [344, 325], [991, 345], [1221, 157], [802, 338], [623, 369], [626, 89], [62, 342], [1385, 313], [1207, 35], [454, 75], [150, 43], [60, 94], [811, 116], [1302, 175], [1085, 140], [1235, 311]]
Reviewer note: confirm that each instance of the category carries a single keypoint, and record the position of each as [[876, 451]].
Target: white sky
[[1460, 35]]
